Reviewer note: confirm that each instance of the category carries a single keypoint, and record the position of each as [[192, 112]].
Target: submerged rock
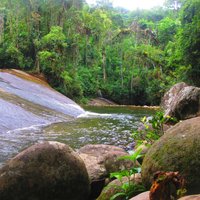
[[45, 171], [182, 101], [177, 150]]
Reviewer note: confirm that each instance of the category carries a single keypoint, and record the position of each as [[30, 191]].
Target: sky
[[134, 4]]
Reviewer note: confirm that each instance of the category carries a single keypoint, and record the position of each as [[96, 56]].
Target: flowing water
[[98, 125], [31, 111]]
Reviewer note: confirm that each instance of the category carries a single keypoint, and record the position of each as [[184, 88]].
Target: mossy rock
[[110, 190], [177, 150], [115, 187]]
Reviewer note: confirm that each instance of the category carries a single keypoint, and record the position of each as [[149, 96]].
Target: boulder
[[100, 160], [171, 95], [45, 171], [101, 102], [192, 197], [177, 150], [182, 101], [110, 190], [142, 196], [115, 187]]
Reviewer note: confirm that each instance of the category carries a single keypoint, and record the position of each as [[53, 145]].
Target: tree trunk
[[121, 69], [104, 64], [1, 27]]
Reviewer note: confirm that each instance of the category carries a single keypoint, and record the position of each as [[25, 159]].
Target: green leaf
[[117, 195]]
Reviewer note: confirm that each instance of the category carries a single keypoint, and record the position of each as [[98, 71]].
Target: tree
[[173, 4], [189, 39], [167, 28], [130, 56]]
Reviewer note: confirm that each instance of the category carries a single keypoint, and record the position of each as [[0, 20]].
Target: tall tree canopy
[[131, 57]]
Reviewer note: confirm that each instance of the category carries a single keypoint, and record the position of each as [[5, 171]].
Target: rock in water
[[45, 171], [182, 101], [177, 150]]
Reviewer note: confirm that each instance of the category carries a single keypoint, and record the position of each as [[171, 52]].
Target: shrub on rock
[[45, 171], [117, 187]]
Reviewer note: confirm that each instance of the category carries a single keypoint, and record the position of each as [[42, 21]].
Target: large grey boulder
[[182, 101], [177, 150], [100, 160], [45, 171], [170, 95]]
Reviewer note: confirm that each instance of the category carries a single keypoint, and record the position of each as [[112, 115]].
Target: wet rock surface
[[29, 102]]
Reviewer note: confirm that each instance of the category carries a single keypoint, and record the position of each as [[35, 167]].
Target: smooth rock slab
[[45, 171]]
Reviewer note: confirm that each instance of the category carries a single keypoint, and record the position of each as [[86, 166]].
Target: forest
[[130, 57]]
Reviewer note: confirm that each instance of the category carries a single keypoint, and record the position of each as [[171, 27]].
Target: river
[[99, 125]]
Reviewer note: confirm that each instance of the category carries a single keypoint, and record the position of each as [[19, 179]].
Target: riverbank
[[105, 102]]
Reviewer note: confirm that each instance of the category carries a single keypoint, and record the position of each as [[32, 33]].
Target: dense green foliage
[[129, 57], [128, 188], [152, 128]]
